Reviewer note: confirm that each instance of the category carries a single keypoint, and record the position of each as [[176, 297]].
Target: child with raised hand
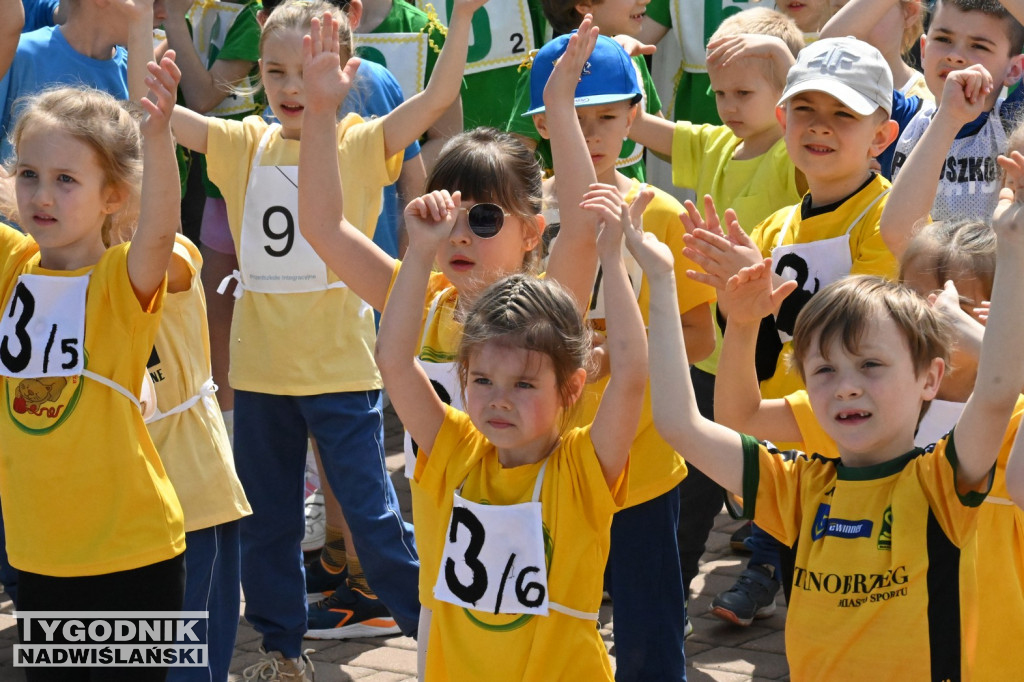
[[961, 34], [500, 182], [550, 490], [301, 340], [84, 167], [874, 528]]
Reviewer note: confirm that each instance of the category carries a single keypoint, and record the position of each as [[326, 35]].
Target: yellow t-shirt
[[110, 506], [655, 468], [879, 550], [576, 508], [754, 188], [306, 343], [193, 444], [998, 551], [868, 253]]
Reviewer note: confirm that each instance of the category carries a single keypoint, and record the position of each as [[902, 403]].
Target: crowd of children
[[822, 333]]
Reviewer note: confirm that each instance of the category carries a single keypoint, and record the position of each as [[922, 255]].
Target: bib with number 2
[[42, 330]]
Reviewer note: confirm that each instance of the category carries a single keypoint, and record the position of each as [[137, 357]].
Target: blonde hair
[[112, 131], [844, 310], [952, 250], [297, 15], [767, 22]]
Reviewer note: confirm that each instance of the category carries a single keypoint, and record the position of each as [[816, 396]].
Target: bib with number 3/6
[[493, 557], [42, 330]]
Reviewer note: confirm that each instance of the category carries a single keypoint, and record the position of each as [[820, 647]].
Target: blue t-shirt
[[375, 93], [905, 108], [44, 58], [38, 13]]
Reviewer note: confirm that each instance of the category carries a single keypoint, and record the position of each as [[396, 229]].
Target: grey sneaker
[[752, 596], [275, 667]]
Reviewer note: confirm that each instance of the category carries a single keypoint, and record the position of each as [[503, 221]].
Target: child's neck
[[374, 14], [828, 192], [531, 453], [72, 258], [89, 35], [756, 145]]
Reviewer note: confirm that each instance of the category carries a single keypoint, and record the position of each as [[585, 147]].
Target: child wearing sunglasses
[[643, 575]]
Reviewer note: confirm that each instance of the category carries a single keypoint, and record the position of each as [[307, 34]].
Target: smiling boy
[[962, 34]]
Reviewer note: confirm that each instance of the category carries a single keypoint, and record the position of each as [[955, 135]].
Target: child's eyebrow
[[973, 39]]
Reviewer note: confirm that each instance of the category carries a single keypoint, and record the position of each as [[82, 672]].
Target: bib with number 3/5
[[493, 558], [42, 330]]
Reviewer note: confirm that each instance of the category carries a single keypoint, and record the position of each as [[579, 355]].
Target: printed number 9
[[288, 234]]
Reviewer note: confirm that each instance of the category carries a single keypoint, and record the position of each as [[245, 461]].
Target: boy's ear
[[583, 8], [885, 134], [1014, 70], [541, 123], [780, 116], [933, 377]]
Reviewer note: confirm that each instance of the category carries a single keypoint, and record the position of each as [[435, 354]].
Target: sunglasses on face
[[485, 220]]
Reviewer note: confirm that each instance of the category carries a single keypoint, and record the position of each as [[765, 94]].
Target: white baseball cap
[[852, 71]]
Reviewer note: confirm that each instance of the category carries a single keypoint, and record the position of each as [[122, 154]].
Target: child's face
[[957, 39], [809, 15], [605, 127], [473, 263], [281, 71], [869, 401], [513, 398], [613, 17], [958, 381], [746, 100], [63, 198], [829, 142]]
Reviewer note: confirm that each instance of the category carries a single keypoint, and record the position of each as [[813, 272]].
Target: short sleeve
[[688, 143], [242, 43], [773, 481], [904, 108], [955, 513], [812, 435], [447, 463]]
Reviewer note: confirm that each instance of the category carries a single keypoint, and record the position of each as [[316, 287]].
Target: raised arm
[[618, 415], [429, 220], [573, 259], [160, 212], [349, 253], [418, 113], [913, 190], [858, 18], [726, 50], [979, 433], [738, 402], [717, 450], [653, 132], [140, 46], [203, 89], [14, 20]]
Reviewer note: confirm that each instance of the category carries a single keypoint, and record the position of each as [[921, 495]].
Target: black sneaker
[[738, 540], [752, 596], [320, 582], [347, 614]]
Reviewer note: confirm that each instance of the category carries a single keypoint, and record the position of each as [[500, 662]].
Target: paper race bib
[[813, 265], [42, 331], [493, 559], [501, 35], [403, 54]]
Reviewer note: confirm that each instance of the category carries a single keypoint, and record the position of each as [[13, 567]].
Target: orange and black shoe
[[348, 614]]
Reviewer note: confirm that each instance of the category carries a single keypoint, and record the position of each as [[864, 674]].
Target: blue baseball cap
[[609, 75]]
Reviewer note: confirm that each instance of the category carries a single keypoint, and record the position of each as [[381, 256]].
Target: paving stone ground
[[715, 652]]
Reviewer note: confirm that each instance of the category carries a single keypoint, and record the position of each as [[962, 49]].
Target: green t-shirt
[[406, 18], [631, 162], [693, 100]]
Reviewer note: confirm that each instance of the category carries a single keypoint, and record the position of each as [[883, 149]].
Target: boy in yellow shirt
[[835, 114]]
